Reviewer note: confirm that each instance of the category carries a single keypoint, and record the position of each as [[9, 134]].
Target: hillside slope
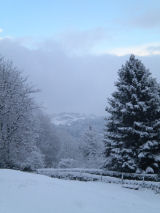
[[31, 193]]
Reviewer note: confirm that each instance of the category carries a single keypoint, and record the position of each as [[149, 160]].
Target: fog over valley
[[69, 82]]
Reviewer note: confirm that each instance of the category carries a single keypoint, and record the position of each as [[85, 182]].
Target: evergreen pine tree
[[89, 147], [132, 139]]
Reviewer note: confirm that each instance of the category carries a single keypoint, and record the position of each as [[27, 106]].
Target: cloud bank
[[149, 19], [68, 82]]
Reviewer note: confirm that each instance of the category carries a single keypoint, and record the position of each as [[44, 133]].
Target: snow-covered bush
[[149, 170], [67, 163]]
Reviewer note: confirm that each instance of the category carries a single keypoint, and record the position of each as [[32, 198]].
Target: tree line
[[29, 140], [26, 134]]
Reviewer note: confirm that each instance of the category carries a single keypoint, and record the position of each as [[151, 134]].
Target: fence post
[[143, 181], [80, 175], [101, 176], [122, 178]]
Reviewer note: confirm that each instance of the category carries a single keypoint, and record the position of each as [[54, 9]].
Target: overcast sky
[[71, 50]]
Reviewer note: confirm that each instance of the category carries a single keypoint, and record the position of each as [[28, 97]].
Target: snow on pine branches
[[132, 132]]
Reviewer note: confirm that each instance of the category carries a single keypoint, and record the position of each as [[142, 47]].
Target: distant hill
[[67, 119], [76, 124]]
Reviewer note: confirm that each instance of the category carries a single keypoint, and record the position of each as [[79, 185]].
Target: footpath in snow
[[22, 192]]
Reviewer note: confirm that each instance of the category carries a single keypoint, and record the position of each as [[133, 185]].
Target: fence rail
[[135, 180], [128, 176]]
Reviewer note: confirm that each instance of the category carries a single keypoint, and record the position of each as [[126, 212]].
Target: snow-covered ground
[[32, 193]]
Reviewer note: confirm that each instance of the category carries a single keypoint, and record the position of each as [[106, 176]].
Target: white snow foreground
[[22, 192]]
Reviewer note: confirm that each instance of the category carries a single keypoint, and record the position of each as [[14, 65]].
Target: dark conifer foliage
[[132, 139]]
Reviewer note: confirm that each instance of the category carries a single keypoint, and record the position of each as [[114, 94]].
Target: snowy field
[[30, 193]]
